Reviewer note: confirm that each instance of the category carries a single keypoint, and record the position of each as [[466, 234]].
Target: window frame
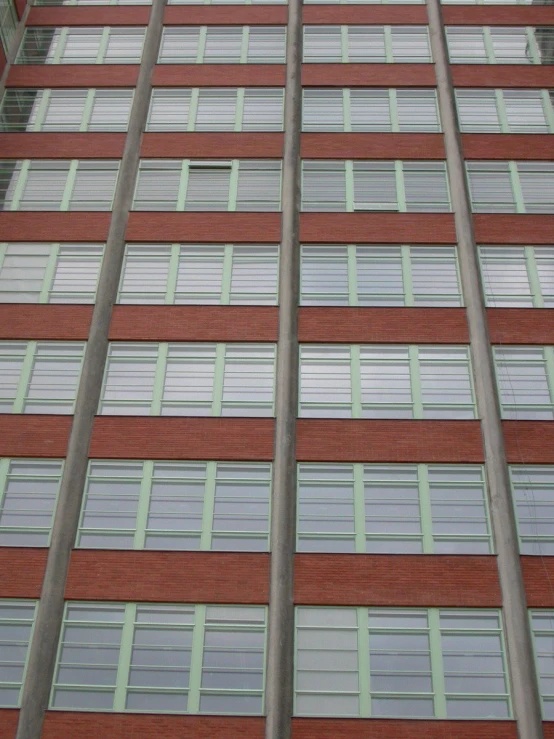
[[61, 34], [529, 257], [515, 410], [245, 54], [19, 602], [532, 541]]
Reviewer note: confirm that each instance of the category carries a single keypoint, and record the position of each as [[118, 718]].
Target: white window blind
[[495, 45], [511, 187], [366, 44], [521, 277], [223, 45], [108, 45], [533, 494], [542, 622], [525, 377]]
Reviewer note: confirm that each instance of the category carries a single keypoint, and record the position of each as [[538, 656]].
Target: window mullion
[[400, 189], [233, 185], [125, 653], [21, 184], [25, 377], [516, 187], [359, 508], [87, 110], [193, 704], [193, 108], [219, 372], [549, 362], [487, 42], [406, 265], [346, 111], [344, 44], [437, 667], [533, 277], [103, 45], [548, 110], [349, 184], [143, 504], [4, 469], [387, 33], [49, 274], [352, 268], [159, 379], [532, 46], [363, 662], [425, 508], [355, 381], [239, 108], [415, 381], [208, 509], [501, 111], [60, 48], [173, 274], [69, 184], [226, 274], [393, 108], [202, 36], [42, 110], [183, 185], [244, 45]]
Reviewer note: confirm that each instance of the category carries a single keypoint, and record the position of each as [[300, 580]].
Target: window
[[511, 187], [223, 45], [28, 493], [219, 506], [374, 186], [369, 110], [161, 658], [361, 2], [525, 377], [49, 273], [81, 46], [39, 376], [387, 381], [400, 663], [189, 380], [227, 2], [217, 274], [379, 275], [93, 2], [42, 184], [486, 2], [542, 624], [16, 626], [519, 276], [245, 184], [8, 24], [533, 494], [366, 44], [392, 509], [65, 110], [207, 109], [505, 111], [496, 45]]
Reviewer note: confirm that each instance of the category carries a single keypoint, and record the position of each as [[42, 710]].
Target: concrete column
[[42, 657], [521, 664], [280, 660]]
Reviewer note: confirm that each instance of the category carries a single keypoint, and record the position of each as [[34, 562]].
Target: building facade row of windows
[[235, 274], [255, 185], [225, 506], [259, 109], [336, 380], [271, 2], [356, 662]]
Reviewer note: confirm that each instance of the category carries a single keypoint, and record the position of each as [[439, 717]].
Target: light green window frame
[[542, 628], [92, 2], [66, 185], [17, 619], [161, 658], [366, 44], [206, 274], [518, 276], [379, 275], [189, 379], [8, 24], [206, 506], [40, 376], [49, 273], [28, 494], [492, 111], [85, 109], [525, 48], [385, 381], [222, 45], [99, 45], [216, 109], [208, 185], [363, 2], [375, 186], [227, 2], [533, 498], [511, 187], [393, 509], [401, 663], [486, 2], [525, 379]]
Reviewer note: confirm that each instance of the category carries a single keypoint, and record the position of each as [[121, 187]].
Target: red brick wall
[[73, 75], [216, 15], [529, 442], [380, 228], [495, 228], [73, 725], [521, 325], [218, 75], [361, 15], [396, 580], [34, 436], [498, 16], [8, 723], [210, 145], [371, 146], [502, 75], [507, 146], [368, 75], [388, 441], [59, 322], [175, 577], [54, 226], [21, 572], [308, 728], [89, 16], [548, 728], [62, 145], [538, 576], [239, 228], [388, 325]]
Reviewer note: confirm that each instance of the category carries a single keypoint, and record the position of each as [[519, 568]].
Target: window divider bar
[[533, 277], [227, 274], [143, 504], [219, 374], [25, 377], [406, 266], [103, 45], [42, 108], [425, 510], [69, 185], [349, 185], [359, 508], [183, 186], [356, 381], [233, 185], [389, 55], [21, 184], [208, 508], [239, 108], [346, 110], [501, 111], [195, 675], [87, 110], [393, 108], [125, 654], [4, 470], [516, 187], [202, 37], [159, 379], [244, 45], [193, 108], [49, 274], [344, 44], [548, 109], [364, 685], [489, 48], [400, 188], [532, 45], [415, 380], [549, 363], [352, 268], [437, 667], [60, 48], [173, 274]]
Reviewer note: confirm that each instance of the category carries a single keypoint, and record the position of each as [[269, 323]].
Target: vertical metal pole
[[524, 683]]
